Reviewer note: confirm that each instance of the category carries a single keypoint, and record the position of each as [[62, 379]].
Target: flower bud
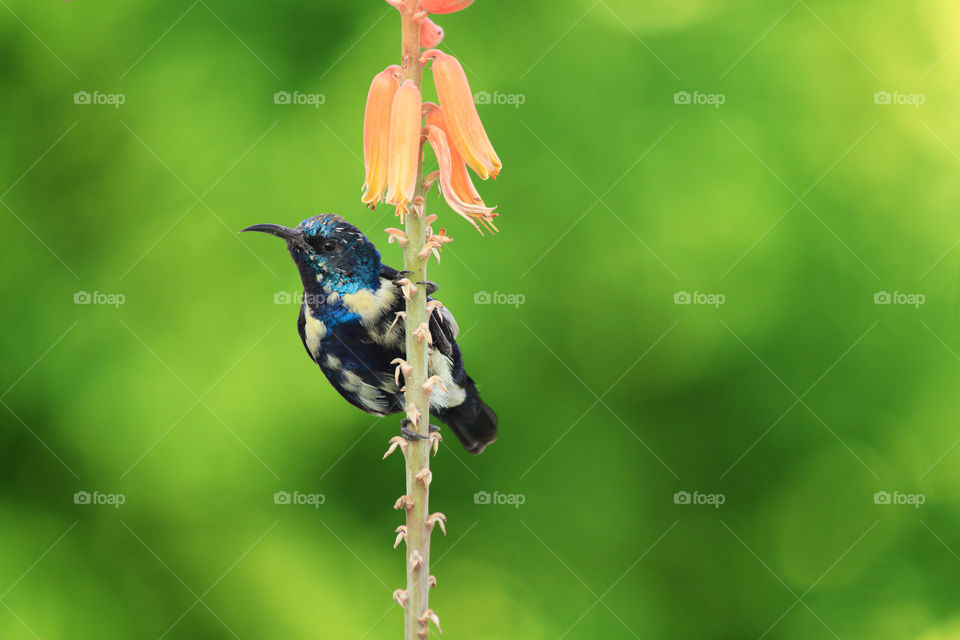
[[430, 33], [444, 6]]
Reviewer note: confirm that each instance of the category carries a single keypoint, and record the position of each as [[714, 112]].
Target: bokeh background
[[779, 195]]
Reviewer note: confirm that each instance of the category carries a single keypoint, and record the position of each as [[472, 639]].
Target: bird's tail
[[473, 422]]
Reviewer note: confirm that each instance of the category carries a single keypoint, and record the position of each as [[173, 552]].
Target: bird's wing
[[301, 329], [443, 327]]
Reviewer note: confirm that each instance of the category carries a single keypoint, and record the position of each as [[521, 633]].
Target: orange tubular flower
[[460, 182], [406, 117], [430, 33], [376, 133], [444, 6], [465, 129], [471, 211]]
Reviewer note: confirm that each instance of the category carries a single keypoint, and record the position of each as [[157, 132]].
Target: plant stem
[[418, 452]]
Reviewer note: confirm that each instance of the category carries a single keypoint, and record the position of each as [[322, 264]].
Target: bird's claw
[[409, 433], [402, 533], [431, 286], [400, 597], [400, 275], [412, 435]]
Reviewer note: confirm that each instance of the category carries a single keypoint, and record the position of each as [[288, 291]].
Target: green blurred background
[[798, 200]]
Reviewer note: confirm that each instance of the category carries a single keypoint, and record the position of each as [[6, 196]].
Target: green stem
[[418, 452]]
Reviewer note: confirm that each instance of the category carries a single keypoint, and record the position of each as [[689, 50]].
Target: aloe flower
[[376, 133], [465, 129], [455, 183], [403, 163]]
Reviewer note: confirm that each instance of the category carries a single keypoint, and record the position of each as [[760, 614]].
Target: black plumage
[[348, 325]]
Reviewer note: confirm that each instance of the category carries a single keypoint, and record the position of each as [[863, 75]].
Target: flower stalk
[[418, 453], [395, 136]]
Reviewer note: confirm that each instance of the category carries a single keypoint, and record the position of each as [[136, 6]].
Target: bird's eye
[[329, 246]]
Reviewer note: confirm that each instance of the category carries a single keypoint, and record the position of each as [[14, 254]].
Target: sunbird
[[348, 325]]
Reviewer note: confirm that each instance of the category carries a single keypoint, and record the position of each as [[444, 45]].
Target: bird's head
[[331, 254]]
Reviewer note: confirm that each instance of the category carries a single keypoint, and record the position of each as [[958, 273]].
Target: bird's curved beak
[[292, 236], [275, 230]]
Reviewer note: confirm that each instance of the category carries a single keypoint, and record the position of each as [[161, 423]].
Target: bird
[[348, 324]]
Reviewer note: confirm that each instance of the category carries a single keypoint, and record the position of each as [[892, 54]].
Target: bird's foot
[[410, 434], [401, 275], [431, 286]]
